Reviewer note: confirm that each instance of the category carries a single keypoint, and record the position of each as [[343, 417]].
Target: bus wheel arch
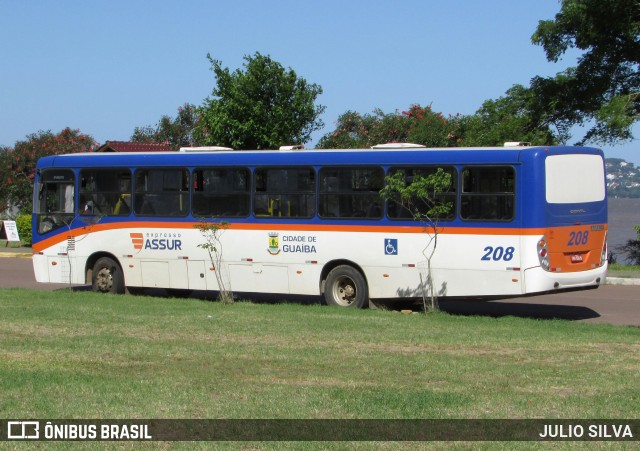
[[105, 274], [344, 284]]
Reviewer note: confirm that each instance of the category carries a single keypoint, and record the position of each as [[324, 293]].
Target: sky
[[108, 66]]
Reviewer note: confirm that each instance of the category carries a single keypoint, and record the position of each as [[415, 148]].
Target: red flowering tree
[[434, 129], [17, 164], [358, 131], [418, 125]]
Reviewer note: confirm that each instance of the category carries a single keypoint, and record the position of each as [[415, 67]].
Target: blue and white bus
[[312, 222]]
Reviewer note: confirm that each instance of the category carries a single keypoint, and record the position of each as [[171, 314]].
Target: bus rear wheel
[[107, 277], [346, 287]]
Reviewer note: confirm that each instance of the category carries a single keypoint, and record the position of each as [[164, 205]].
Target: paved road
[[613, 304]]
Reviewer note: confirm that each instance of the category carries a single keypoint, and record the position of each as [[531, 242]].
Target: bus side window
[[105, 192], [221, 192], [447, 197], [488, 193], [284, 192], [162, 192], [350, 192]]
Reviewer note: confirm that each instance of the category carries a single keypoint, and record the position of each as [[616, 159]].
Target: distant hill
[[623, 178]]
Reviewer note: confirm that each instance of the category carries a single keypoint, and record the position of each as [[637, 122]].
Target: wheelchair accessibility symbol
[[390, 246]]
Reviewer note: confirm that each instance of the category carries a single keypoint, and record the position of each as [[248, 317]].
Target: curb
[[15, 255], [622, 281]]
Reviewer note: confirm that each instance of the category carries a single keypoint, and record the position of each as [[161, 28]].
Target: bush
[[632, 249], [23, 222]]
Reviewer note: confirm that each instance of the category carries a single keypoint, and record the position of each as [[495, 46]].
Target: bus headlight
[[543, 253]]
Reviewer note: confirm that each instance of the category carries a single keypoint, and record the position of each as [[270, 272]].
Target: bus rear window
[[574, 179]]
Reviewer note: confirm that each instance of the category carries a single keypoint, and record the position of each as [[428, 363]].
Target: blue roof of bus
[[455, 155]]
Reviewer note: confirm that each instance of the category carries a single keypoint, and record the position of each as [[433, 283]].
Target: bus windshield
[[55, 201]]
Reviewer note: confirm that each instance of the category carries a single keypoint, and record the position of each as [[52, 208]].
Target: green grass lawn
[[83, 355], [618, 270]]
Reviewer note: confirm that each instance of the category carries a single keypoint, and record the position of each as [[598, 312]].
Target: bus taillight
[[603, 256], [543, 253]]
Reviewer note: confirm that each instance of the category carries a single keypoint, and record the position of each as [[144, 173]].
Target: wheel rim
[[344, 291], [104, 280]]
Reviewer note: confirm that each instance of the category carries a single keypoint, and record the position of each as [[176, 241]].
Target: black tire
[[107, 277], [346, 287]]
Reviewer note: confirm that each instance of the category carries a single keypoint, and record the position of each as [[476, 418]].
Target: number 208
[[578, 238], [498, 253]]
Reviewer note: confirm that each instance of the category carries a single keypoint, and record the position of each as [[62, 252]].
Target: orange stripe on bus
[[445, 230]]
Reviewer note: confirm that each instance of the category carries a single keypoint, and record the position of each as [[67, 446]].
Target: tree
[[262, 107], [177, 132], [357, 131], [433, 129], [632, 248], [212, 233], [17, 165], [423, 194], [5, 156], [512, 117], [604, 87], [419, 125]]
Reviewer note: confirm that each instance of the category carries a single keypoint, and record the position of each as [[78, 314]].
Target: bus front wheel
[[107, 276], [346, 287]]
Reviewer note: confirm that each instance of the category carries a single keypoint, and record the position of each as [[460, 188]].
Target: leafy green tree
[[17, 165], [177, 132], [423, 194], [512, 117], [263, 106], [603, 89], [212, 234]]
